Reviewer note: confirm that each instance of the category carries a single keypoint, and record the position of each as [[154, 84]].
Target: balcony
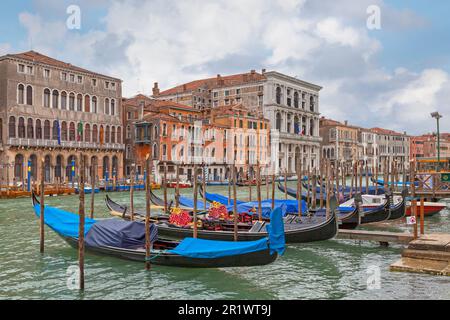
[[64, 144]]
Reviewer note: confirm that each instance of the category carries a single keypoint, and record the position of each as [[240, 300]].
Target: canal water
[[334, 269]]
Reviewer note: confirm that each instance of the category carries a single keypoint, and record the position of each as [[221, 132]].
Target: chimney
[[155, 89], [253, 71], [263, 71], [346, 122]]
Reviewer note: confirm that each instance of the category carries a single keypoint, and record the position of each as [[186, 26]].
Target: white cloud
[[325, 42], [4, 48]]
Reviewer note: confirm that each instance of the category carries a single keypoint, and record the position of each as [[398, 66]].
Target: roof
[[324, 122], [219, 81], [37, 57], [386, 131], [156, 105]]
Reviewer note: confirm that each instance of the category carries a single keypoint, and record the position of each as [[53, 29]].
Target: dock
[[429, 254], [382, 237]]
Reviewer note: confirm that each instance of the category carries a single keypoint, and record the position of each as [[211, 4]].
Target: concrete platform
[[382, 237], [428, 254]]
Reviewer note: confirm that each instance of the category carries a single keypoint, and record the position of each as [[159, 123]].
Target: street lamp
[[437, 116]]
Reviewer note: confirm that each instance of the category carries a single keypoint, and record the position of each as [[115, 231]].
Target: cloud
[[325, 42]]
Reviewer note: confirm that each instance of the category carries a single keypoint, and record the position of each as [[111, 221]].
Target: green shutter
[[445, 177]]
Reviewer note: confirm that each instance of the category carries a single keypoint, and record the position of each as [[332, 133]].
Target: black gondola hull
[[173, 260]]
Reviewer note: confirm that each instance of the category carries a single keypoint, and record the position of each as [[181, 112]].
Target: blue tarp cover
[[188, 202], [209, 249], [63, 222], [220, 198], [290, 206], [119, 234], [276, 231]]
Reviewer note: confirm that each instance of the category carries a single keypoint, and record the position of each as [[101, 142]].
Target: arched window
[[38, 129], [12, 127], [71, 102], [94, 104], [128, 132], [296, 99], [155, 151], [79, 102], [63, 100], [119, 135], [113, 134], [47, 130], [311, 128], [55, 130], [21, 127], [47, 98], [278, 95], [72, 131], [106, 106], [278, 121], [64, 131], [94, 133], [102, 135], [311, 103], [87, 103], [21, 94], [58, 167], [18, 167], [87, 133], [213, 152], [29, 95], [55, 100], [30, 129], [107, 134], [113, 107]]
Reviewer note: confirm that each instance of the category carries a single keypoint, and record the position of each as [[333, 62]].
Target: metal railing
[[64, 144]]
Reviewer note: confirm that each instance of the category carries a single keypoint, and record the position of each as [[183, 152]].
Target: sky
[[392, 77]]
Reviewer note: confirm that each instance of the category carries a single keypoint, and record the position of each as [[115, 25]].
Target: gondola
[[306, 229], [126, 240], [250, 183], [291, 192], [379, 214], [122, 211]]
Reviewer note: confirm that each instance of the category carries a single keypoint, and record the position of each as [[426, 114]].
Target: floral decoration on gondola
[[179, 217]]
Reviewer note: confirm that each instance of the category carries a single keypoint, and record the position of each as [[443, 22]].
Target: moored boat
[[126, 240]]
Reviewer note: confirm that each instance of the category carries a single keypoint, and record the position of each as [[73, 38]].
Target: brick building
[[53, 110]]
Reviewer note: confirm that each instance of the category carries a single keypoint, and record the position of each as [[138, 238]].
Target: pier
[[382, 237], [429, 254]]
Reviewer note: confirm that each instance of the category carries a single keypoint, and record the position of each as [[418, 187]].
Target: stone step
[[433, 242], [426, 255], [434, 267]]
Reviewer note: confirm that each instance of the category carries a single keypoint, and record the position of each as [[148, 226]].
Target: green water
[[333, 269]]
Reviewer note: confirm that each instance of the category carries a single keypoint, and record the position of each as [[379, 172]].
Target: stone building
[[290, 104], [178, 134], [53, 110], [340, 142], [391, 146]]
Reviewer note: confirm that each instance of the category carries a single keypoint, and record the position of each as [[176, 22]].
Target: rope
[[152, 258]]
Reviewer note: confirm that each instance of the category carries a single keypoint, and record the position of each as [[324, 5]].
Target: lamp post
[[437, 116]]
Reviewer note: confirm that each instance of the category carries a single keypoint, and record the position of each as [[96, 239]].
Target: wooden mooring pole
[[165, 187], [285, 184], [204, 184], [93, 174], [42, 209], [273, 191], [177, 187], [235, 213], [322, 164], [81, 213], [258, 190], [148, 185], [299, 188], [133, 169], [195, 200]]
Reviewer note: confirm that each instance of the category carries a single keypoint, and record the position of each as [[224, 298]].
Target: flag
[[58, 129], [80, 131]]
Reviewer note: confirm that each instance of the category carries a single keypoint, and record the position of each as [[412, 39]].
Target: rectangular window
[[72, 78], [94, 82], [30, 70], [227, 93], [238, 91], [21, 68], [80, 79], [63, 76], [46, 73], [107, 84], [113, 86]]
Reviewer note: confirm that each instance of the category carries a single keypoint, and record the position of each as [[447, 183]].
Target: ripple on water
[[332, 269]]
